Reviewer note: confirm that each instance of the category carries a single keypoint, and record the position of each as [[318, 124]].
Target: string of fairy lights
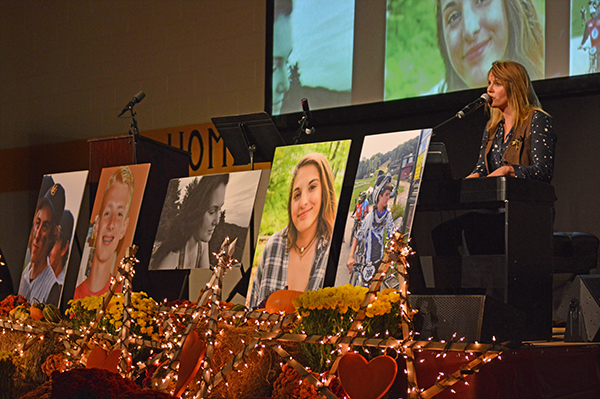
[[271, 330]]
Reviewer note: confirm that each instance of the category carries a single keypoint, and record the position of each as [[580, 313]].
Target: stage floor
[[540, 369]]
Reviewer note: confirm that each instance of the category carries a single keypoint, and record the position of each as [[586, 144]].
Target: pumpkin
[[51, 313], [36, 313], [36, 310], [281, 301]]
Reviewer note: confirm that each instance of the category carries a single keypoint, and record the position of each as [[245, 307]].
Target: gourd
[[51, 313], [20, 313]]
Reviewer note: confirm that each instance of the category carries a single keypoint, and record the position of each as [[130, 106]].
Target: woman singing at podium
[[518, 141]]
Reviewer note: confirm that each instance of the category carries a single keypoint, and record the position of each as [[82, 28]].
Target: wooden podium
[[167, 163]]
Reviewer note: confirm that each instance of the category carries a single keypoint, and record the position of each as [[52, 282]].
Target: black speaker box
[[584, 295], [478, 318]]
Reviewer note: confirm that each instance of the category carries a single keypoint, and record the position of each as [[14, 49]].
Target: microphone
[[138, 98], [308, 127], [484, 99]]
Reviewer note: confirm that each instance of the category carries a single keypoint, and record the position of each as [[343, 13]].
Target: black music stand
[[259, 137]]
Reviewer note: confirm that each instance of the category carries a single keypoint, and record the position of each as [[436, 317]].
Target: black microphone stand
[[470, 108], [251, 147], [444, 122], [133, 133], [302, 122]]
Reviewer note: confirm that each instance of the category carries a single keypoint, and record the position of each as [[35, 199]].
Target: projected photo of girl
[[442, 46], [297, 224], [473, 34]]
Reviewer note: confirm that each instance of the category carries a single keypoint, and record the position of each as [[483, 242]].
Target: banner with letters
[[208, 153]]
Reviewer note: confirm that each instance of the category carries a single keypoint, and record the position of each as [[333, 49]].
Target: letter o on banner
[[195, 134]]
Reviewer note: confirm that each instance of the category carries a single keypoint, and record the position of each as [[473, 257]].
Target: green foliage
[[397, 210], [361, 185], [577, 24], [411, 37]]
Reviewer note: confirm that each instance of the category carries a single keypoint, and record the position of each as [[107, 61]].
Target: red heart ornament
[[192, 354], [101, 359], [96, 358], [362, 380], [112, 361]]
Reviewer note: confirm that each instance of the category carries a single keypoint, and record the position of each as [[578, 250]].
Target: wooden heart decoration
[[362, 380], [99, 358], [190, 359]]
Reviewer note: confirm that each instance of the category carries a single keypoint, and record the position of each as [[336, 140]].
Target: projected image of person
[[312, 54], [592, 31], [518, 141], [109, 229], [295, 257], [282, 48], [474, 33], [592, 24], [186, 246]]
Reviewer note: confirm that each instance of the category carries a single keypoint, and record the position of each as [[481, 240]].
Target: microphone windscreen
[[305, 107]]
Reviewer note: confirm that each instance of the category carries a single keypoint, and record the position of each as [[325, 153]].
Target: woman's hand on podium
[[506, 170]]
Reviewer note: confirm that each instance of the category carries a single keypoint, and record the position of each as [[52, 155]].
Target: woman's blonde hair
[[525, 41], [328, 198], [519, 90]]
